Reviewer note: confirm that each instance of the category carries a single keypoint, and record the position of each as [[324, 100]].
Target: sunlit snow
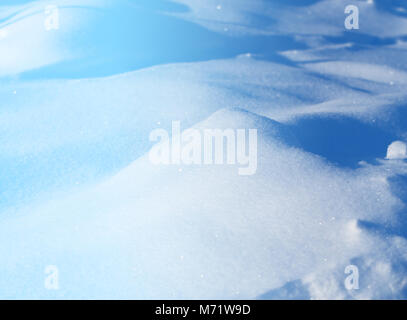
[[79, 194]]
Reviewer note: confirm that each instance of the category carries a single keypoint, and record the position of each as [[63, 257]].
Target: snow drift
[[78, 191]]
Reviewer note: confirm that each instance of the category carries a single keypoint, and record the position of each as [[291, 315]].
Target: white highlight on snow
[[397, 150], [30, 45], [359, 70], [3, 34]]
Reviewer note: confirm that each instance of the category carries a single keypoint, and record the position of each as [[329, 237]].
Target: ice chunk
[[397, 150]]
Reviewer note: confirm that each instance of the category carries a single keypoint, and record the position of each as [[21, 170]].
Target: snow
[[315, 18], [397, 150], [26, 44], [309, 214], [80, 193]]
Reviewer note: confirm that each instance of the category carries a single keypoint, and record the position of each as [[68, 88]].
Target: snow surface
[[79, 192], [397, 150]]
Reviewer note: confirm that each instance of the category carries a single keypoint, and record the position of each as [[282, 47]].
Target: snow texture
[[78, 191]]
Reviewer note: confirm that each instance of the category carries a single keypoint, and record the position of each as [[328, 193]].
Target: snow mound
[[218, 234], [78, 190], [397, 150]]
